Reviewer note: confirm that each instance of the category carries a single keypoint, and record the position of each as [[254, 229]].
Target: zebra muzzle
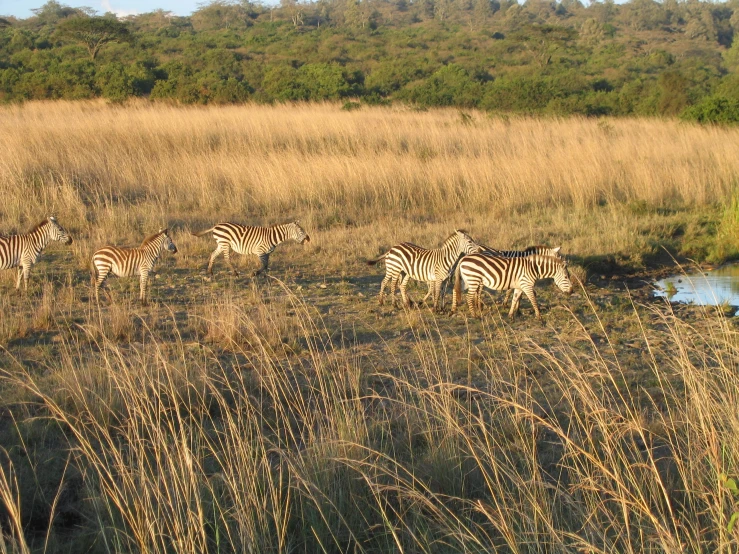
[[68, 241], [306, 239]]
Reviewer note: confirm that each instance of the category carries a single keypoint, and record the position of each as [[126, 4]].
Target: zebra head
[[297, 233], [562, 277], [56, 232], [167, 241], [465, 244]]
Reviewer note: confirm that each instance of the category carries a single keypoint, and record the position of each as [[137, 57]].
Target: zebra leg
[[531, 295], [144, 281], [471, 297], [403, 294], [18, 280], [438, 300], [478, 300], [213, 256], [26, 271], [394, 285], [429, 293], [515, 303], [388, 280], [227, 255], [507, 296], [264, 258], [102, 275]]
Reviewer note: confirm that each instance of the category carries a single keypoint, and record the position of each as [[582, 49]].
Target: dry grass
[[535, 450], [115, 173], [290, 414]]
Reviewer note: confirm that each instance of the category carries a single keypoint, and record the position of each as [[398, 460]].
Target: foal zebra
[[23, 251], [499, 273], [127, 262], [408, 261], [260, 241]]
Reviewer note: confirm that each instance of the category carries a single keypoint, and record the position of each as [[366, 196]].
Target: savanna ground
[[291, 413]]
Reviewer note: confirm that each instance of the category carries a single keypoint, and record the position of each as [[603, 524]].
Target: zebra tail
[[376, 260], [202, 233], [93, 272]]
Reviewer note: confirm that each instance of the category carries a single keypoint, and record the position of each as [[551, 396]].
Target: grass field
[[291, 413]]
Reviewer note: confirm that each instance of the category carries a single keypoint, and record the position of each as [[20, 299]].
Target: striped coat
[[22, 251], [498, 273], [408, 261], [539, 250], [259, 241], [127, 262]]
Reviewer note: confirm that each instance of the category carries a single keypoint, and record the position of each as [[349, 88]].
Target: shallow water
[[720, 286]]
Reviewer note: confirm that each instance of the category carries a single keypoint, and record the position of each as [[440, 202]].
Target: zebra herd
[[476, 265]]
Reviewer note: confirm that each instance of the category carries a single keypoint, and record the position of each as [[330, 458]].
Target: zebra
[[127, 261], [500, 273], [538, 249], [22, 251], [260, 241], [408, 261]]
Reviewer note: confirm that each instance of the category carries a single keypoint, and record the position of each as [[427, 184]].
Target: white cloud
[[105, 4]]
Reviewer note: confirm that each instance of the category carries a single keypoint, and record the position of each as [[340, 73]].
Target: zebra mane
[[151, 238], [454, 234]]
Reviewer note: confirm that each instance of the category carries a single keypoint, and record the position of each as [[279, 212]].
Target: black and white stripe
[[499, 273], [127, 262], [538, 250], [260, 241], [408, 261], [22, 251]]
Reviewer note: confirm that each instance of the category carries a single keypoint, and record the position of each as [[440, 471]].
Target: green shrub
[[713, 109]]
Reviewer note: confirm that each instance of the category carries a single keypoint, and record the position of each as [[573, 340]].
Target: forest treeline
[[642, 57]]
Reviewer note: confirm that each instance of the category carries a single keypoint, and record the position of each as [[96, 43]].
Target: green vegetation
[[638, 58]]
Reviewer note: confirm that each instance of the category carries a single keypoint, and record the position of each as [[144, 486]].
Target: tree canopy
[[92, 32], [639, 58]]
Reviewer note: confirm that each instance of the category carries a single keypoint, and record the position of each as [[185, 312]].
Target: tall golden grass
[[533, 450], [115, 173]]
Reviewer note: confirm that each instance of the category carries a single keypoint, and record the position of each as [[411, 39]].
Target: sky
[[22, 8]]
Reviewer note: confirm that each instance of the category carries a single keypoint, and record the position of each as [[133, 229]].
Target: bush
[[713, 109], [114, 82], [449, 86]]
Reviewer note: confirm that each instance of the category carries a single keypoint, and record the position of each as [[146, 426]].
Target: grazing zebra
[[127, 262], [408, 261], [22, 251], [499, 273], [260, 241]]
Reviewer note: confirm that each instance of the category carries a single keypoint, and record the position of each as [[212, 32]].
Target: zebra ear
[[52, 218], [164, 231], [556, 250]]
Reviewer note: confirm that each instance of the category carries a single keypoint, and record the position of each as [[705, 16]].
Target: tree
[[542, 41], [93, 32]]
